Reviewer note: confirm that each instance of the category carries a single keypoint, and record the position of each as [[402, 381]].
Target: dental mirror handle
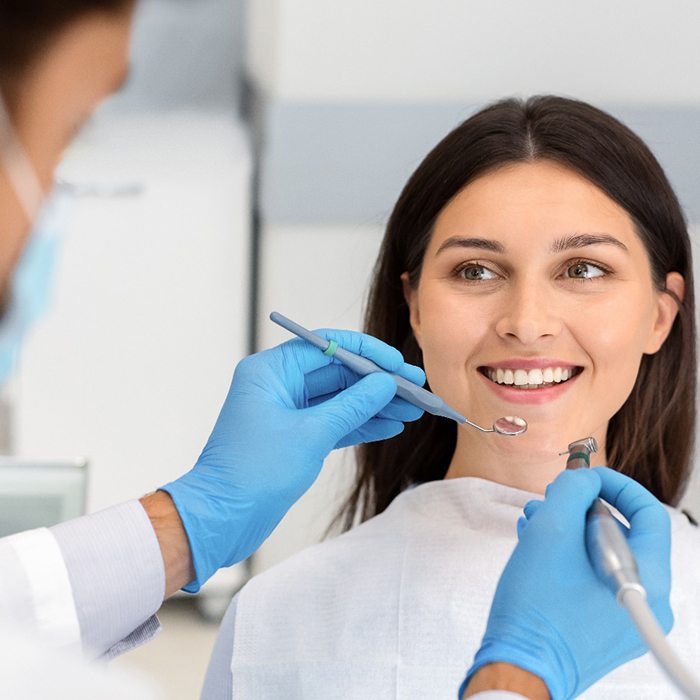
[[405, 389], [422, 398], [510, 426]]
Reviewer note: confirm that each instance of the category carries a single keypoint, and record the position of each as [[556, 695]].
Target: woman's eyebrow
[[576, 240], [581, 240], [482, 243]]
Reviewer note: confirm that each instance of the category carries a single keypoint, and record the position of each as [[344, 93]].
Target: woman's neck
[[527, 462]]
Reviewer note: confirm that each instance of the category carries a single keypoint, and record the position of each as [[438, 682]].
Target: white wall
[[416, 50], [187, 53]]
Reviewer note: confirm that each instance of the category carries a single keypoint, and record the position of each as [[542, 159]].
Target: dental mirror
[[510, 426]]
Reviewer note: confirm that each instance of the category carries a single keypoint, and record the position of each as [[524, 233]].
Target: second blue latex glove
[[287, 408], [551, 615]]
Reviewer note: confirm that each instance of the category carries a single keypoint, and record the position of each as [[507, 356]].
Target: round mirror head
[[510, 425]]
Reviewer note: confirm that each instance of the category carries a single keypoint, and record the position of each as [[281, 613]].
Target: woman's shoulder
[[320, 564], [347, 582]]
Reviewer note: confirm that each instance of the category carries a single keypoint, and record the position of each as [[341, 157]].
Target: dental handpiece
[[608, 551], [616, 567], [414, 394]]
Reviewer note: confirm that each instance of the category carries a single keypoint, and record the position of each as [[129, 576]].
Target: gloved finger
[[328, 381], [412, 373], [401, 410], [664, 614], [380, 353], [303, 357], [521, 525], [354, 406], [570, 495], [531, 507], [324, 383], [372, 431], [642, 509], [396, 410]]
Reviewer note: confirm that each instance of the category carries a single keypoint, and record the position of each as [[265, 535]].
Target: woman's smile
[[531, 381]]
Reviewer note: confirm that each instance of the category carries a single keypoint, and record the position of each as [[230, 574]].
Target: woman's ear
[[666, 312], [411, 297]]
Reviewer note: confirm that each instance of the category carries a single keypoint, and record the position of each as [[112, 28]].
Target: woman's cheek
[[444, 366]]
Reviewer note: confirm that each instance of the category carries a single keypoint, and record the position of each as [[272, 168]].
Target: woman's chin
[[540, 441]]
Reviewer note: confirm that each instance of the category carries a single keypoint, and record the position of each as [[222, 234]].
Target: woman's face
[[536, 299]]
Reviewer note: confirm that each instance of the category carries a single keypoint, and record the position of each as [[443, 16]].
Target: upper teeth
[[522, 377]]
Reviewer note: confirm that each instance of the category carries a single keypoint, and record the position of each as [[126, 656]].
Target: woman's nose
[[529, 313]]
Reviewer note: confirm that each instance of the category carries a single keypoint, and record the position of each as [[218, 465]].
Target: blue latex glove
[[551, 615], [287, 408]]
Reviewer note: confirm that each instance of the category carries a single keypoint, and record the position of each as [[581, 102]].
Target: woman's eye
[[476, 273], [583, 271]]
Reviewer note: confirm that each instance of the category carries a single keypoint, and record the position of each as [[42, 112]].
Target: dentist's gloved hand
[[287, 408], [551, 615]]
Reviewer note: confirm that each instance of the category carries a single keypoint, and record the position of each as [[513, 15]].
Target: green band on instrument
[[579, 455], [330, 350]]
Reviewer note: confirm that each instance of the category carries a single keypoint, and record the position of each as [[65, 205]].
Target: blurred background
[[250, 165]]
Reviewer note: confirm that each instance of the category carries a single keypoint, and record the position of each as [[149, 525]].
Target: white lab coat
[[88, 587], [30, 671]]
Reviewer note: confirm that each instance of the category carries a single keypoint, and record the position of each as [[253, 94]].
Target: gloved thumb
[[357, 404]]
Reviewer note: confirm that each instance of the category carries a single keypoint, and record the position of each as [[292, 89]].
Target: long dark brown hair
[[651, 437]]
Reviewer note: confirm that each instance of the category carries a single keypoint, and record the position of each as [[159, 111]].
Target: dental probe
[[414, 394], [615, 565]]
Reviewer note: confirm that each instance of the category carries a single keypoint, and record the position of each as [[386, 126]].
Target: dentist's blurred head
[[58, 60]]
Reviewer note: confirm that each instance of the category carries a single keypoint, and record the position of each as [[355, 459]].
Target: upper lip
[[530, 363]]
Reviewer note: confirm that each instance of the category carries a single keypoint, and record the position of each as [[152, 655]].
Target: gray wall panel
[[346, 163]]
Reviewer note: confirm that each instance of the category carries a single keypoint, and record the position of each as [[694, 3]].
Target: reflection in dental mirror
[[510, 426]]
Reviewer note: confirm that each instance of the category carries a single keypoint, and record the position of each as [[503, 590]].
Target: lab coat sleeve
[[35, 592], [116, 575]]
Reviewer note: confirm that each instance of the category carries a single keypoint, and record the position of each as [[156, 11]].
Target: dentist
[[95, 583]]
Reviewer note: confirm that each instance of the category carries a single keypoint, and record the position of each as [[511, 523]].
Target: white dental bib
[[397, 607]]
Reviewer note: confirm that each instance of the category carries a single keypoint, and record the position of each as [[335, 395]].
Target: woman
[[651, 419], [537, 263]]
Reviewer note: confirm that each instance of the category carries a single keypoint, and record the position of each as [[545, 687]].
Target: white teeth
[[520, 377], [534, 376], [531, 379]]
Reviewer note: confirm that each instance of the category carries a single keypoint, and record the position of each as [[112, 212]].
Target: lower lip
[[530, 396]]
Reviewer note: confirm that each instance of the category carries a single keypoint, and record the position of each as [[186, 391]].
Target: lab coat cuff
[[117, 576]]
